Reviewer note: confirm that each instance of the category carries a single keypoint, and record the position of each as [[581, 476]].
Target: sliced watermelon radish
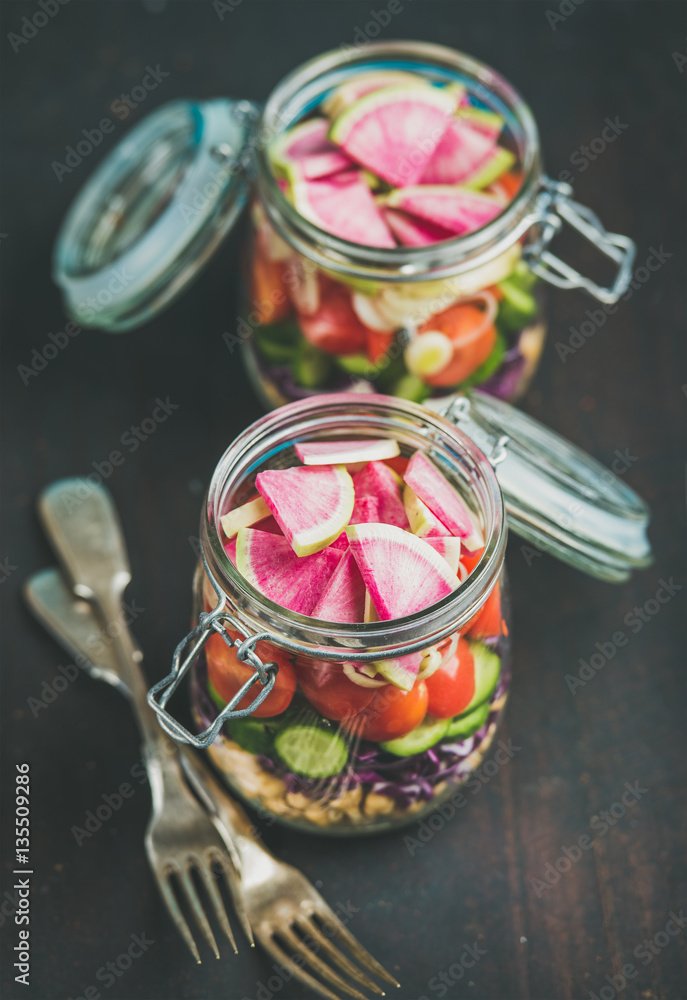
[[244, 516], [334, 327], [402, 671], [311, 505], [269, 563], [395, 130], [343, 597], [230, 549], [305, 151], [448, 548], [432, 487], [370, 614], [490, 171], [346, 210], [343, 452], [455, 208], [487, 122], [364, 83], [365, 510], [412, 232], [379, 481], [464, 154], [401, 572], [423, 523]]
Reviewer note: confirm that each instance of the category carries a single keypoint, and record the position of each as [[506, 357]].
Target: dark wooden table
[[481, 881]]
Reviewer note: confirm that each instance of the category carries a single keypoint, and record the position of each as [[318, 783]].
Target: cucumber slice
[[411, 387], [278, 342], [311, 368], [311, 751], [487, 670], [468, 723], [357, 364], [517, 307], [424, 736], [253, 735]]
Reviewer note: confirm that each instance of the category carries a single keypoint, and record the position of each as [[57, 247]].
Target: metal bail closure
[[557, 497], [154, 212], [186, 652], [555, 206]]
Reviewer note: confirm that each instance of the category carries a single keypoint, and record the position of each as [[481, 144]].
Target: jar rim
[[340, 641], [296, 93]]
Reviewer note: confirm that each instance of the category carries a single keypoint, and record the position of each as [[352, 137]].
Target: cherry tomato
[[473, 338], [335, 328], [391, 713], [451, 688], [327, 688], [487, 621], [227, 674], [470, 561], [267, 289]]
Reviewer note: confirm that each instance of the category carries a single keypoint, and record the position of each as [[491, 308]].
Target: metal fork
[[181, 838], [290, 919]]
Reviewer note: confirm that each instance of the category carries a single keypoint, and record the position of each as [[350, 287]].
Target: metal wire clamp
[[188, 649]]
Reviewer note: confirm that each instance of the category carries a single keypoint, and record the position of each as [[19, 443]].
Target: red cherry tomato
[[487, 621], [227, 674], [451, 688], [327, 688], [391, 713], [267, 289], [470, 561]]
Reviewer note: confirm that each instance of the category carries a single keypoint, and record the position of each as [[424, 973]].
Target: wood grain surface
[[480, 882]]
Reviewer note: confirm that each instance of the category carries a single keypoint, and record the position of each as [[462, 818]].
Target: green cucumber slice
[[311, 368], [411, 387], [487, 670], [278, 342], [468, 723], [357, 364], [424, 736], [517, 306], [253, 735], [311, 751]]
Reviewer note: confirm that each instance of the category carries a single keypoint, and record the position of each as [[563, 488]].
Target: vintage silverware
[[83, 526]]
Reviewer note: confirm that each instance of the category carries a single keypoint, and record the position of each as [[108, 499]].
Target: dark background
[[623, 390]]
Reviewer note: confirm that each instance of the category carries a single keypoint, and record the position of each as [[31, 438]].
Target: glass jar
[[326, 314], [329, 744]]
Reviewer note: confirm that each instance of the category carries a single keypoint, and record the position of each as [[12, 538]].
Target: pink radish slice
[[423, 523], [344, 452], [432, 487], [312, 506], [377, 480], [401, 572], [460, 153], [448, 548], [365, 510], [230, 549], [458, 209], [395, 130], [413, 232], [269, 563], [306, 151], [348, 211], [343, 597]]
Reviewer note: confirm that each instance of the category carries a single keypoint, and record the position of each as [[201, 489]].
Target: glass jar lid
[[557, 496], [153, 213]]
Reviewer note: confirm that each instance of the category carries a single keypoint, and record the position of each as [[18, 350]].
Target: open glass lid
[[557, 497], [152, 214]]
